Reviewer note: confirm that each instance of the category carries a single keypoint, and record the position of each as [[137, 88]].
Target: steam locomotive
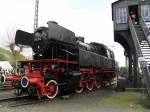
[[61, 62]]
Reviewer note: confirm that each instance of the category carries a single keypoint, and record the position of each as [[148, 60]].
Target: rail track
[[6, 86], [25, 100], [12, 99], [5, 89], [17, 101]]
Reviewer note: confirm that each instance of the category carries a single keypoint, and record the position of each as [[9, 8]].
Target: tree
[[2, 57], [14, 49]]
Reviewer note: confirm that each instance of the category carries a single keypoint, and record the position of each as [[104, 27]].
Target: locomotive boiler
[[61, 62]]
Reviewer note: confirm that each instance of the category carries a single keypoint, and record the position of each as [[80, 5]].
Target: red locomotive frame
[[34, 77]]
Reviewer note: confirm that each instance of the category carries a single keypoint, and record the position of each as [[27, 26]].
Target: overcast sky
[[88, 18]]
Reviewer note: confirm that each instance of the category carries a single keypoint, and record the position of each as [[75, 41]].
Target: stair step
[[145, 48], [140, 35], [146, 53], [138, 28], [142, 38], [140, 31], [146, 44], [145, 41], [137, 25], [147, 58], [142, 46]]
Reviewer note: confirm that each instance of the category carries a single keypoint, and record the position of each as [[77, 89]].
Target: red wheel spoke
[[52, 89], [98, 83], [90, 85], [81, 86]]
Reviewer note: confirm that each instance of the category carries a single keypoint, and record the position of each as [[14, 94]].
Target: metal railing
[[135, 37], [145, 29], [142, 61]]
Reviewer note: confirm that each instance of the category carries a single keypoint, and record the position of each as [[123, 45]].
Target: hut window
[[145, 12], [121, 15]]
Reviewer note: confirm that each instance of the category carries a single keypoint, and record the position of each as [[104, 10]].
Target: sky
[[88, 18]]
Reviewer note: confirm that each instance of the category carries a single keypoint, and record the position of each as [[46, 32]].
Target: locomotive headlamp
[[37, 36], [24, 81], [40, 40], [40, 34]]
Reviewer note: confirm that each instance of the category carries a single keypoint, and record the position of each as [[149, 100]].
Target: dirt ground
[[103, 100]]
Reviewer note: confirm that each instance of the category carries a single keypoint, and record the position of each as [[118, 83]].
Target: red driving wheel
[[90, 85], [98, 83], [52, 89], [81, 85], [79, 90]]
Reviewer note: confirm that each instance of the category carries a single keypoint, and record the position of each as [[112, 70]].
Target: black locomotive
[[62, 62]]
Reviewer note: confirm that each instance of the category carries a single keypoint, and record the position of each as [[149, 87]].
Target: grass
[[128, 99]]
